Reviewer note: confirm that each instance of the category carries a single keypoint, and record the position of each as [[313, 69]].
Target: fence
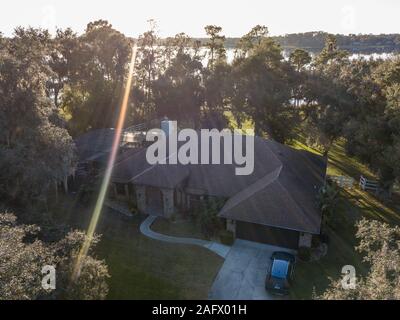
[[366, 184], [154, 123], [136, 128], [134, 135], [343, 181]]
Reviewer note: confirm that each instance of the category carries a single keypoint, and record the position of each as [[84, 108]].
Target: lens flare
[[106, 180]]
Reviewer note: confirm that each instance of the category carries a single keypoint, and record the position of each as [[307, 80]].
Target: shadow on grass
[[355, 205]]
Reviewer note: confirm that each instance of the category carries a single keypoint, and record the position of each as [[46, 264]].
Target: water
[[230, 54]]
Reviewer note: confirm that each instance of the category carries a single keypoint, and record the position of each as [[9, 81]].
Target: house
[[94, 147], [276, 204]]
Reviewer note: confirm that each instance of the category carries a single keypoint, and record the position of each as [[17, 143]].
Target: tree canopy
[[381, 245], [23, 255]]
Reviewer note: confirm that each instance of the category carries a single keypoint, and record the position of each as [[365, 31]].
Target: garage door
[[269, 235]]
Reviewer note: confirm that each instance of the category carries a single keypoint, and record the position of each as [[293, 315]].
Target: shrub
[[324, 238], [328, 199], [315, 241], [86, 193], [227, 237], [132, 205], [304, 254], [173, 217], [207, 217]]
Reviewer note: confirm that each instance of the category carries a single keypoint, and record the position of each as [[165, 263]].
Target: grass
[[181, 227], [246, 125], [143, 268], [354, 205]]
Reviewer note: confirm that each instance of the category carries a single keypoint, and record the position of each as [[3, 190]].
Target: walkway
[[121, 208], [219, 249]]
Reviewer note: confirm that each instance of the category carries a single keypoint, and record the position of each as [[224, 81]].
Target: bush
[[315, 241], [86, 193], [304, 254], [132, 205], [227, 237], [328, 200], [207, 218], [324, 238], [173, 217]]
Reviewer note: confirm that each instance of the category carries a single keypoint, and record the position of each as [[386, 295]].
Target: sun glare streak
[[106, 180]]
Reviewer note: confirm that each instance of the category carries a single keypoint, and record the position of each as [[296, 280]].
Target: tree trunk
[[66, 185], [56, 185]]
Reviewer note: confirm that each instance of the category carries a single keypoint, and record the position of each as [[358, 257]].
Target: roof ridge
[[153, 166], [265, 141], [277, 172]]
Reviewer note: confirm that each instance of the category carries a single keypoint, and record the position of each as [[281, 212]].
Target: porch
[[151, 200]]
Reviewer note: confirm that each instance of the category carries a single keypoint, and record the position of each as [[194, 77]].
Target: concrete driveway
[[242, 276]]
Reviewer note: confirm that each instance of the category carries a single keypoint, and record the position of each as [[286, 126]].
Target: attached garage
[[269, 235]]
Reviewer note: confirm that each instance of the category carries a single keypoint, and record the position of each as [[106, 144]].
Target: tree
[[262, 89], [381, 246], [178, 93], [64, 62], [387, 134], [36, 152], [328, 101], [92, 96], [210, 223], [250, 40], [217, 92], [216, 45], [21, 262], [23, 255], [299, 58], [330, 51]]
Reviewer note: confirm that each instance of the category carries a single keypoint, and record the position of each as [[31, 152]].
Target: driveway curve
[[145, 229]]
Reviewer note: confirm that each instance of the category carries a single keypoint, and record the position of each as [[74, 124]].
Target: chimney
[[168, 126]]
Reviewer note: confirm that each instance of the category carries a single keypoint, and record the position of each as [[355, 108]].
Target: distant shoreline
[[314, 42]]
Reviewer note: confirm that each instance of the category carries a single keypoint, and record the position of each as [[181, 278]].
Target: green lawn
[[181, 227], [246, 125], [142, 268], [354, 204]]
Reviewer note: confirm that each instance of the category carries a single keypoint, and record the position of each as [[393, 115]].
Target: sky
[[235, 17]]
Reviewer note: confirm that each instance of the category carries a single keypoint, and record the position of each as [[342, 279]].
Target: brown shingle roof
[[221, 180], [286, 197], [281, 191], [162, 176]]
